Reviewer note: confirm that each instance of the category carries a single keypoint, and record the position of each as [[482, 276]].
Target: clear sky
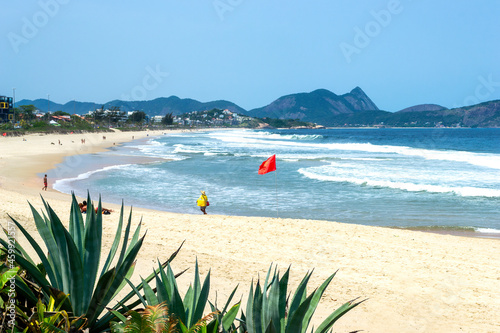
[[251, 52]]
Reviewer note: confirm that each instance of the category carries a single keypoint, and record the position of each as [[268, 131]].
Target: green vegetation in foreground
[[68, 291]]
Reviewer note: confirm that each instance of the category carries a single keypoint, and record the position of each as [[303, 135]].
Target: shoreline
[[415, 281], [114, 159]]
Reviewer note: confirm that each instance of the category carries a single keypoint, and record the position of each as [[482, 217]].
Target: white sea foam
[[366, 159], [63, 185], [180, 148], [466, 191], [257, 135], [215, 153], [256, 141], [488, 230]]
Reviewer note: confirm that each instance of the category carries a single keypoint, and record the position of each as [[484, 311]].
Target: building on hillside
[[6, 109]]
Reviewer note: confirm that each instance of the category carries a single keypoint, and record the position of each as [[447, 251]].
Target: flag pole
[[276, 185]]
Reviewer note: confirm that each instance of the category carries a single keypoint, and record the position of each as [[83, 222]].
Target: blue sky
[[400, 52]]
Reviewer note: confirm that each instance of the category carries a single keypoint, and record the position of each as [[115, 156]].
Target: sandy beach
[[414, 281]]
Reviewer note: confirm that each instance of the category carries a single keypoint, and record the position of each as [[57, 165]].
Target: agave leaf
[[76, 227], [202, 299], [17, 246], [138, 293], [92, 254], [125, 240], [273, 311], [108, 316], [212, 326], [75, 275], [174, 254], [127, 276], [58, 231], [294, 324], [331, 319], [34, 273], [283, 299], [148, 292], [116, 243], [229, 317], [177, 306], [192, 295], [249, 316], [257, 309], [118, 278], [135, 236], [119, 315], [271, 328], [183, 327], [168, 279], [48, 238], [38, 250], [315, 300], [60, 298], [77, 282], [264, 305], [188, 305], [101, 290], [299, 295], [161, 288]]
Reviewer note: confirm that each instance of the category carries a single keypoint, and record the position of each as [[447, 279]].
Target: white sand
[[414, 281]]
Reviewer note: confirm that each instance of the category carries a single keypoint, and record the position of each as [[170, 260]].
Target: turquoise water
[[414, 178]]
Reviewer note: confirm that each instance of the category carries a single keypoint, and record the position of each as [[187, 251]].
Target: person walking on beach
[[44, 183], [202, 202]]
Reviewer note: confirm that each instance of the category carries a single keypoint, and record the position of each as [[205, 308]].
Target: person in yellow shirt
[[202, 202]]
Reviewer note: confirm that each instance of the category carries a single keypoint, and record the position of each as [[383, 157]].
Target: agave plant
[[71, 266], [190, 310], [267, 306]]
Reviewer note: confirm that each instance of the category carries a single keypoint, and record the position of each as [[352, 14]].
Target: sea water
[[411, 178]]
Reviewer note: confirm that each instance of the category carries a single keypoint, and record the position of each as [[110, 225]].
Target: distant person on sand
[[83, 208], [44, 183], [203, 202]]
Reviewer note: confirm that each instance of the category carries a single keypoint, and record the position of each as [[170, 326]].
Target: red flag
[[268, 165]]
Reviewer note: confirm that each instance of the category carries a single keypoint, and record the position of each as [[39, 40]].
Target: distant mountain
[[423, 107], [158, 106], [481, 115], [318, 106], [174, 105]]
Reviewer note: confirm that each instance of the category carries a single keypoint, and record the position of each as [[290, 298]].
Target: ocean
[[423, 179]]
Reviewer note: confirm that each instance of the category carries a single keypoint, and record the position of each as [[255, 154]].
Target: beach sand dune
[[414, 281]]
